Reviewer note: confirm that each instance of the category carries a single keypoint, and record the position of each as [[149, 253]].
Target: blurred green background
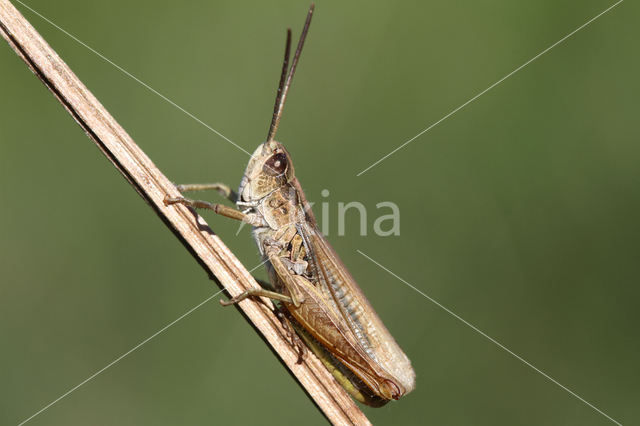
[[520, 213]]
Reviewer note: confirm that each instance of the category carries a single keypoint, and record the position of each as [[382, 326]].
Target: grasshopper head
[[269, 169], [270, 166]]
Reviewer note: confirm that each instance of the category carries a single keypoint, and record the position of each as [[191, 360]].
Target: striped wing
[[332, 278]]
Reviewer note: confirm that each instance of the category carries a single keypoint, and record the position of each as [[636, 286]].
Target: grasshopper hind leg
[[258, 292], [293, 337], [345, 377], [281, 312], [296, 342]]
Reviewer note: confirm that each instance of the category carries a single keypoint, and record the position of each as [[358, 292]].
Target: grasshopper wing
[[333, 278]]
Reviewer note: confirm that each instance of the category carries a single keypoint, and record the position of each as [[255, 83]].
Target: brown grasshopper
[[321, 300]]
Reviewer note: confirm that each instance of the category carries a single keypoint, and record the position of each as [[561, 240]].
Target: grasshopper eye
[[275, 165]]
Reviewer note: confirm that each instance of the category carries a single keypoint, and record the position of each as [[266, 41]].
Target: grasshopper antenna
[[286, 77], [277, 108]]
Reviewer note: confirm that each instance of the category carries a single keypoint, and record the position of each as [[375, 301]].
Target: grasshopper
[[317, 296]]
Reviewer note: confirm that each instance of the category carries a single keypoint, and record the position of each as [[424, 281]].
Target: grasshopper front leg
[[221, 188]]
